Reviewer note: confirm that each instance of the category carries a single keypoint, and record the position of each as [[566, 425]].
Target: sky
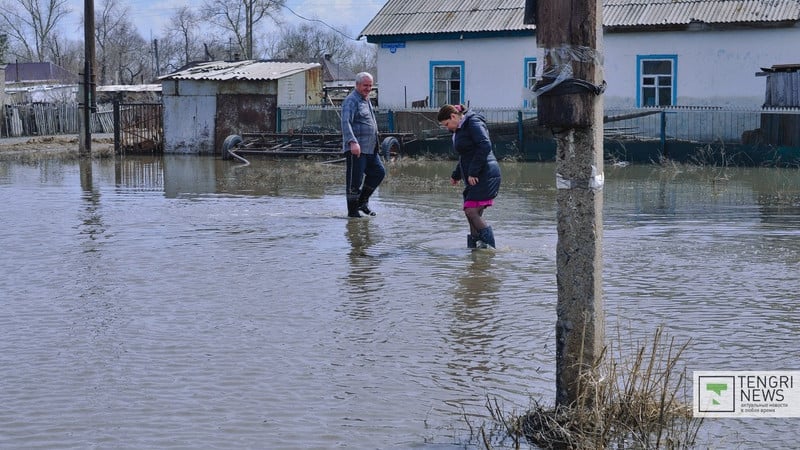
[[150, 16]]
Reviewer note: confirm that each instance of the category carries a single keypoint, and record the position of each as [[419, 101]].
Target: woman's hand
[[472, 181]]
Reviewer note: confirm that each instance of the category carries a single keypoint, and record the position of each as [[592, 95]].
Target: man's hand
[[355, 149]]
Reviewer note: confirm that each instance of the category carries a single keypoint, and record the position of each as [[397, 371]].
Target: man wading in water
[[365, 170]]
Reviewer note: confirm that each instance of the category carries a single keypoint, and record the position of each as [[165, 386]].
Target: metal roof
[[249, 70], [636, 13], [38, 71], [419, 17], [404, 17], [129, 88]]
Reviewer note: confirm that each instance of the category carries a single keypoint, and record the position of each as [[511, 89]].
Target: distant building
[[39, 83], [38, 73], [207, 102], [338, 81], [783, 85], [783, 91], [129, 93]]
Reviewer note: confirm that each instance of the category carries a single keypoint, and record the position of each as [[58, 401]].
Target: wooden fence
[[137, 127], [44, 119]]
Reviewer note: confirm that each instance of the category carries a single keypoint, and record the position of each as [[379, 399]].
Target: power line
[[319, 21]]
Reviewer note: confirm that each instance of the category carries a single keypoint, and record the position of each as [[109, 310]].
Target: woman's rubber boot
[[352, 208], [363, 200], [472, 241], [485, 238]]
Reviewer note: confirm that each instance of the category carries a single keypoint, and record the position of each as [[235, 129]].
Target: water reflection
[[364, 278], [145, 173], [474, 325], [92, 222], [178, 295]]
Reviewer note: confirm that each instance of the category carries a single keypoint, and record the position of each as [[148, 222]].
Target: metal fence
[[692, 124], [139, 127], [142, 129]]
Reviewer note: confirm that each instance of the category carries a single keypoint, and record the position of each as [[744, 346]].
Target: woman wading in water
[[477, 167]]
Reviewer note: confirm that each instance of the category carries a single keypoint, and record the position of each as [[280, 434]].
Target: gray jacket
[[359, 124]]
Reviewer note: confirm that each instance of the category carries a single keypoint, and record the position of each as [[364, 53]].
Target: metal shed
[[205, 103]]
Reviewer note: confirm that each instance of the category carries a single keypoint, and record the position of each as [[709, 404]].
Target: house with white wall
[[654, 52], [205, 103]]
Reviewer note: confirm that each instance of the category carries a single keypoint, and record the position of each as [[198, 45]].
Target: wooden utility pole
[[570, 104], [87, 86]]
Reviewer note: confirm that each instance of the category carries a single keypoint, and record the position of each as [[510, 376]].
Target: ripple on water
[[166, 314]]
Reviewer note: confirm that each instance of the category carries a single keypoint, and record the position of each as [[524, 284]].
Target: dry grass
[[61, 147], [626, 402]]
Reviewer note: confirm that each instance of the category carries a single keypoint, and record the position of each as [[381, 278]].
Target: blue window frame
[[529, 75], [656, 80], [446, 82]]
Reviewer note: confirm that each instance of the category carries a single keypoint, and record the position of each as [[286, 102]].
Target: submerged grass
[[626, 402]]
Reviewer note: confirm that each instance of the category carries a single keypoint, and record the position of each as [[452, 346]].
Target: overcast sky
[[149, 16]]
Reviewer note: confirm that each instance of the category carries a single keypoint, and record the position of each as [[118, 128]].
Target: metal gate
[[138, 128]]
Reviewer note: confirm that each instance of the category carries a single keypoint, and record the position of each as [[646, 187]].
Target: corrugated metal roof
[[403, 17], [42, 71], [635, 13], [240, 70], [418, 17]]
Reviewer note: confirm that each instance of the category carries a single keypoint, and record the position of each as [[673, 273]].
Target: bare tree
[[31, 25], [183, 30], [240, 18], [312, 41], [363, 58], [183, 41], [122, 54], [3, 47], [169, 54], [66, 53]]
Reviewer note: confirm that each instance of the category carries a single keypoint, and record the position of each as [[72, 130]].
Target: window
[[530, 79], [447, 81], [656, 79]]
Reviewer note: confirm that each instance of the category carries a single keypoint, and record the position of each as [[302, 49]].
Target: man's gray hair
[[361, 76]]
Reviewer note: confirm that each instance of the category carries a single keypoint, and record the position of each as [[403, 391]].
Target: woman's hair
[[446, 110]]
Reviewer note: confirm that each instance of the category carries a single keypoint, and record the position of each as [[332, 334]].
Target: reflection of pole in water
[[92, 224], [86, 174]]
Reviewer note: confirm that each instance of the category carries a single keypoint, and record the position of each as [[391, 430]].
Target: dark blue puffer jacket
[[475, 158]]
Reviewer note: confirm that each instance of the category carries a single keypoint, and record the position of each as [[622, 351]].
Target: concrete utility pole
[[570, 104], [87, 87]]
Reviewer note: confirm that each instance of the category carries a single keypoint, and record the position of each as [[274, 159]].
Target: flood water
[[187, 302]]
